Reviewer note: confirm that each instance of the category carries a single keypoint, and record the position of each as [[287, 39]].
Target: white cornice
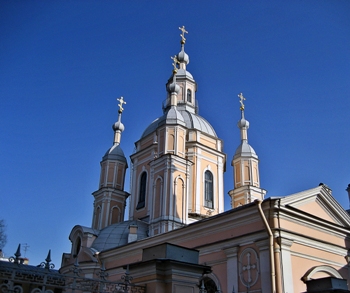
[[310, 221], [317, 259], [314, 243]]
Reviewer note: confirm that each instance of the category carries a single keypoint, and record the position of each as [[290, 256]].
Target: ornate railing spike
[[48, 264]]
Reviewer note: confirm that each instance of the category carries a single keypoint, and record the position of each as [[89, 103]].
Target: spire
[[182, 56], [243, 124], [244, 148], [118, 127]]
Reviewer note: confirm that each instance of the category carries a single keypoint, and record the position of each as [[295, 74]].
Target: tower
[[178, 166], [110, 198], [245, 165]]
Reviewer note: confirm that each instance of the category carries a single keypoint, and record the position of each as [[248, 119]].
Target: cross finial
[[182, 35], [241, 99], [174, 63], [120, 105]]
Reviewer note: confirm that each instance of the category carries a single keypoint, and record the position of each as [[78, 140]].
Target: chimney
[[132, 233]]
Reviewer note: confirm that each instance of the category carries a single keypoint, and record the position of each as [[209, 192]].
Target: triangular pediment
[[320, 203]]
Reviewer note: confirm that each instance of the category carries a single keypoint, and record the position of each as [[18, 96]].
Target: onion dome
[[182, 57], [243, 123], [118, 126], [173, 87]]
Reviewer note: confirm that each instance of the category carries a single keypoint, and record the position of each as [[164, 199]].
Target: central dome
[[192, 121]]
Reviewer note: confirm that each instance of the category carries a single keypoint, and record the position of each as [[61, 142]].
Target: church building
[[178, 238]]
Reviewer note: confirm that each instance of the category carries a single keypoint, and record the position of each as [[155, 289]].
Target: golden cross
[[183, 41], [174, 63], [241, 99], [121, 102]]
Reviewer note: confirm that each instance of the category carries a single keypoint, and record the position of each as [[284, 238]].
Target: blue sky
[[64, 63]]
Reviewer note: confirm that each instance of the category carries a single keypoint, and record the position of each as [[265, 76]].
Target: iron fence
[[16, 277]]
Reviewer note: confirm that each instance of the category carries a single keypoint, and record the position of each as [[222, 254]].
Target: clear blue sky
[[64, 63]]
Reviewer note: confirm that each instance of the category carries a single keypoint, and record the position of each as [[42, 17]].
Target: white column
[[199, 183], [286, 263]]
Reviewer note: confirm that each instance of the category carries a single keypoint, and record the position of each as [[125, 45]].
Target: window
[[189, 96], [208, 189], [142, 191], [77, 247], [209, 285]]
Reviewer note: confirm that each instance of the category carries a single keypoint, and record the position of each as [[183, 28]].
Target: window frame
[[142, 191], [208, 189]]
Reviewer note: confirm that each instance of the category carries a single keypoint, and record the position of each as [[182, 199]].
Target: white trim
[[325, 269]]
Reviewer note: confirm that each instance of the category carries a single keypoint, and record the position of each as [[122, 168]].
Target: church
[[178, 238]]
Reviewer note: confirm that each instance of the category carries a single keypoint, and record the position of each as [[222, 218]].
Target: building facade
[[178, 238]]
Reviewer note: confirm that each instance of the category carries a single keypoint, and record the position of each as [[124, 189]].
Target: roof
[[117, 234], [245, 150], [115, 153]]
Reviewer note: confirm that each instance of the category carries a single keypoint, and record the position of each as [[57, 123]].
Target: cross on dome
[[241, 99], [182, 35], [174, 63], [120, 105]]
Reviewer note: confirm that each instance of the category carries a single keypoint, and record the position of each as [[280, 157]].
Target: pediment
[[319, 202]]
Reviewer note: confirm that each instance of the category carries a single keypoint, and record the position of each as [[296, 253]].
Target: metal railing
[[16, 277]]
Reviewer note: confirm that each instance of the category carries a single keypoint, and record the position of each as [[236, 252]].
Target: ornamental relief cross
[[249, 267]]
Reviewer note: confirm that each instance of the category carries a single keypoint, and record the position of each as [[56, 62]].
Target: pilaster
[[232, 268], [265, 271], [286, 264]]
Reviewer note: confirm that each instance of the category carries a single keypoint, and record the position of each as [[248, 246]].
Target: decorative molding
[[249, 267], [325, 269]]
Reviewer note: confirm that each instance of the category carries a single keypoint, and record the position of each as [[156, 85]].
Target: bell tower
[[110, 198], [245, 165]]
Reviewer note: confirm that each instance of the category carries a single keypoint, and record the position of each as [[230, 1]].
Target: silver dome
[[117, 235]]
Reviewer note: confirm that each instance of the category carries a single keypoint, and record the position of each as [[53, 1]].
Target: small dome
[[173, 87], [243, 123], [117, 235], [118, 126], [183, 57], [115, 153]]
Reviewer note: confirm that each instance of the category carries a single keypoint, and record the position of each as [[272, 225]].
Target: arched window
[[208, 189], [142, 191], [77, 247], [189, 96], [97, 220]]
